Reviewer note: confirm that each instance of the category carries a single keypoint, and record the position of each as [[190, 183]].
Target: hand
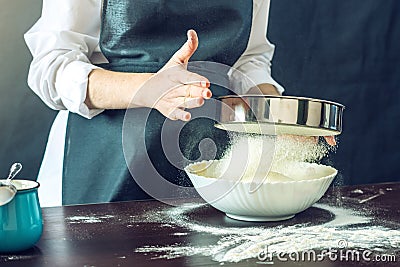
[[174, 89], [330, 140]]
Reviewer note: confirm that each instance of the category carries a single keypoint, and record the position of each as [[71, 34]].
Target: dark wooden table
[[110, 234]]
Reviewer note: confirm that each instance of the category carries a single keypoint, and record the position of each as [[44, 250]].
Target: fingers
[[299, 138], [330, 140], [191, 91], [186, 102], [186, 89], [174, 109], [183, 55], [194, 79], [179, 114], [173, 104], [178, 106], [194, 85]]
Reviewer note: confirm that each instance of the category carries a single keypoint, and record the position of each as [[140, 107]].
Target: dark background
[[24, 120], [341, 50], [346, 51]]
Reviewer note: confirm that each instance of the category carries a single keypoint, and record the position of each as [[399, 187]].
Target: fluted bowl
[[267, 200]]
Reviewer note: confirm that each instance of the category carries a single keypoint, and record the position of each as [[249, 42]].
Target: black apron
[[141, 36]]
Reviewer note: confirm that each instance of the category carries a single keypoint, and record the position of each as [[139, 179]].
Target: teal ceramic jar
[[21, 223]]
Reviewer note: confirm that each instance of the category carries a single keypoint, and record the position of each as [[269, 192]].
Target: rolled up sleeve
[[254, 65], [61, 44]]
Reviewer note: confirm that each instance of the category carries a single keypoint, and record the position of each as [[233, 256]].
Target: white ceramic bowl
[[271, 201]]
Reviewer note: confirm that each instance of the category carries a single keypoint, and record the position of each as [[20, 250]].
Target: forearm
[[265, 89], [113, 90], [62, 45]]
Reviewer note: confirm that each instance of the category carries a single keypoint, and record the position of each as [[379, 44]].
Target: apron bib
[[141, 36]]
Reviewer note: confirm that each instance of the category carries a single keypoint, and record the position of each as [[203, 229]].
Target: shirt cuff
[[242, 82], [72, 86], [257, 77]]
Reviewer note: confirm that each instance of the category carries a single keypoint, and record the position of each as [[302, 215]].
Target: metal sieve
[[275, 115]]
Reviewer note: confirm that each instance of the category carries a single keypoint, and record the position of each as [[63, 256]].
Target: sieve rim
[[303, 98], [308, 113]]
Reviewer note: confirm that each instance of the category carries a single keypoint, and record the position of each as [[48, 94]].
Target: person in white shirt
[[91, 58]]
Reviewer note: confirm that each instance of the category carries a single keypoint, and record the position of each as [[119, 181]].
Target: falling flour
[[236, 244], [274, 158]]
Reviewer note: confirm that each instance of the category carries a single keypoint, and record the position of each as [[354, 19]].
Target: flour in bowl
[[273, 158]]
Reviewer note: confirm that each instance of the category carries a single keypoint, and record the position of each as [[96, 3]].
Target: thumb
[[183, 55]]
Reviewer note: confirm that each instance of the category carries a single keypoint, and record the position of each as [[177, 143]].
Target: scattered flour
[[180, 234], [357, 191], [240, 243], [88, 219], [17, 257]]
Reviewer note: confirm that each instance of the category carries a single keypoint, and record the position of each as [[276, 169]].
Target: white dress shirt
[[65, 47]]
